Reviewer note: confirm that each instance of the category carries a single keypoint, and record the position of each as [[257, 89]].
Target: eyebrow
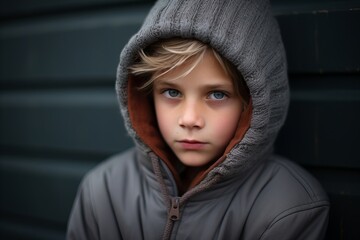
[[217, 86], [164, 83], [167, 83]]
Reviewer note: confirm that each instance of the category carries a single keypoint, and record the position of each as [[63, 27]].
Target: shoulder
[[285, 176], [294, 183], [100, 194], [288, 200], [108, 181], [113, 165], [113, 173]]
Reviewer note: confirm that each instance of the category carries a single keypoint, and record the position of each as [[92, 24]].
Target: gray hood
[[243, 31]]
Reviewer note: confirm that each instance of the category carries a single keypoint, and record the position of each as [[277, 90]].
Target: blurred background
[[59, 115]]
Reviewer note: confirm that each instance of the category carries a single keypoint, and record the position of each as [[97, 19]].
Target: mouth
[[188, 144]]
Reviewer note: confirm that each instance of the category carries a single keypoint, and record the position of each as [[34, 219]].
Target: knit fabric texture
[[246, 33]]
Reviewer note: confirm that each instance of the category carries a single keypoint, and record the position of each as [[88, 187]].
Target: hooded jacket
[[248, 193]]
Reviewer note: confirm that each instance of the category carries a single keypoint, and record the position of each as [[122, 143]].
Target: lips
[[191, 144]]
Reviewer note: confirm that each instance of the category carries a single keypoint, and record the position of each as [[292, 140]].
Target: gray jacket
[[122, 199], [249, 193]]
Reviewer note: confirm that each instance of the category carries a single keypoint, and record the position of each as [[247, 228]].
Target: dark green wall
[[59, 116]]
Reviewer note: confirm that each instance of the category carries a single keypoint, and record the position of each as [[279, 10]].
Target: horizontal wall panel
[[302, 6], [34, 187], [79, 47], [64, 120], [323, 122], [322, 133], [19, 230], [10, 8], [338, 181], [322, 41]]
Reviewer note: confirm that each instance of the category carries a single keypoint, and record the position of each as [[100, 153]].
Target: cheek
[[225, 126], [164, 120]]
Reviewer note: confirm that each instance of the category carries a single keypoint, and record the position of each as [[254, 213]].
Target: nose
[[191, 116]]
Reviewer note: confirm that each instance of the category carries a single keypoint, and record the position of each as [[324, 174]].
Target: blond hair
[[164, 56]]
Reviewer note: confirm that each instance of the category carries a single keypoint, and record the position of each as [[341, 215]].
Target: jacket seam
[[290, 212]]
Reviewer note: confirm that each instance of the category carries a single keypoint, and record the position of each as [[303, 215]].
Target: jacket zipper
[[174, 213], [175, 202]]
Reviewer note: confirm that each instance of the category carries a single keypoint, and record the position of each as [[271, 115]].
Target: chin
[[193, 160]]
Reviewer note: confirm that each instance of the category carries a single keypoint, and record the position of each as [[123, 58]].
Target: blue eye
[[171, 93], [216, 95]]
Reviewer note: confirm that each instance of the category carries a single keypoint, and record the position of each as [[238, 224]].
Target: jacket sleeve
[[303, 222], [82, 222]]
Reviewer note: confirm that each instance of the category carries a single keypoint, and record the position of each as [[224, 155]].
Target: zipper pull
[[174, 213]]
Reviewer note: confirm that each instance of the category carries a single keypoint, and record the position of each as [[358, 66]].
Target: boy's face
[[198, 113]]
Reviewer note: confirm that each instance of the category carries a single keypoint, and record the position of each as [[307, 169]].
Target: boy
[[203, 90]]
